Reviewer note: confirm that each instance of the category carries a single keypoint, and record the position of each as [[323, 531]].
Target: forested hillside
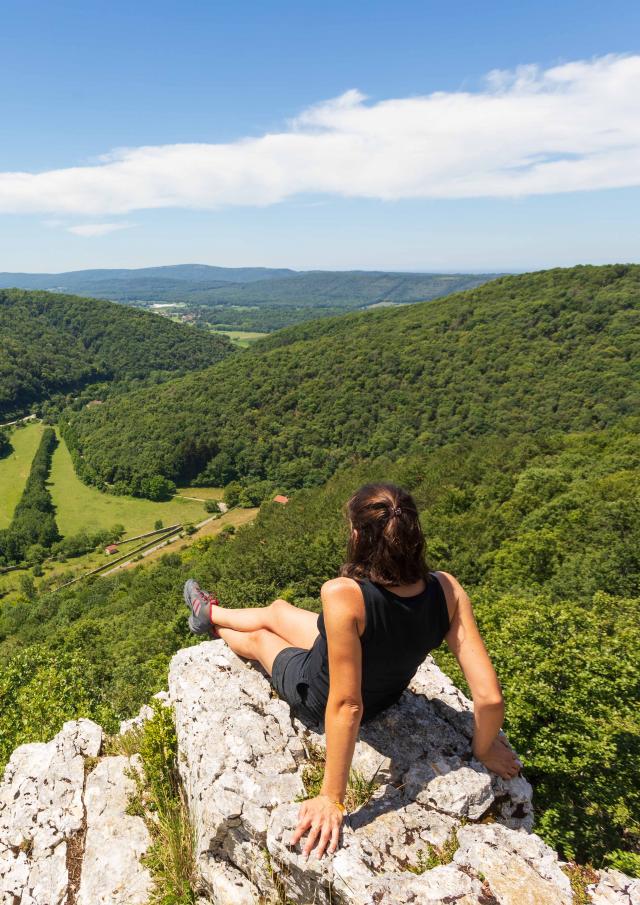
[[524, 353], [54, 343], [349, 289], [543, 532]]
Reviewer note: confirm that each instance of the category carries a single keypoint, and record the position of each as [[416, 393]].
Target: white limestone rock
[[615, 888], [111, 870], [241, 761], [518, 867], [42, 815]]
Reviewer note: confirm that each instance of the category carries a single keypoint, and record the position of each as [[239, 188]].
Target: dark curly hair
[[388, 545]]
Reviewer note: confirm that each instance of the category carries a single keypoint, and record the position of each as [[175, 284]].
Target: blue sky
[[343, 188]]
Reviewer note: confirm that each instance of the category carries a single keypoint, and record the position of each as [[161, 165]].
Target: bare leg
[[261, 644], [297, 627]]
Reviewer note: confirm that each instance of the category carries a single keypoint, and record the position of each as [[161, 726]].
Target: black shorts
[[289, 678]]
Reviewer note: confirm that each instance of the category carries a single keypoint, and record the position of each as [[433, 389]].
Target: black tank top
[[399, 633]]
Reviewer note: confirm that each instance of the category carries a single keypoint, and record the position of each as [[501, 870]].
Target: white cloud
[[573, 127], [89, 230]]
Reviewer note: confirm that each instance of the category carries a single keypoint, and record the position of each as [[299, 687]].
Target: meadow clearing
[[14, 468], [83, 508], [242, 338]]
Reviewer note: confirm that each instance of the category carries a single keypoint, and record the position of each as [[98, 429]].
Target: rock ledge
[[66, 839], [241, 761]]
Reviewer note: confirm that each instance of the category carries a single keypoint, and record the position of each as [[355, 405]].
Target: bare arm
[[343, 610], [466, 644], [344, 706]]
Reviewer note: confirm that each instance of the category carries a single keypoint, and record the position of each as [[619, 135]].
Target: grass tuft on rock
[[580, 877], [127, 744], [360, 789], [159, 800], [436, 855]]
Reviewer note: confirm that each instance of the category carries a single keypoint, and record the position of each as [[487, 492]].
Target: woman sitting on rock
[[379, 620]]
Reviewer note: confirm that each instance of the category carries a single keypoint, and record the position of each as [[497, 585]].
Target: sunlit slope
[[554, 349], [82, 508]]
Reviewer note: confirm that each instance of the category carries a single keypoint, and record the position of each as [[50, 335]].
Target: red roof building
[[112, 548], [281, 499]]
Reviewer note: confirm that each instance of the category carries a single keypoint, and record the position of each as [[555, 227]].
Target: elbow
[[489, 698], [348, 709]]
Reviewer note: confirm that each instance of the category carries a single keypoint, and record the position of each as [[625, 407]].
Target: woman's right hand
[[501, 759]]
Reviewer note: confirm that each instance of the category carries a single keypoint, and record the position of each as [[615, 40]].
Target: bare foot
[[501, 759]]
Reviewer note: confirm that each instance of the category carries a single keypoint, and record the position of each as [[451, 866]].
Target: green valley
[[510, 411]]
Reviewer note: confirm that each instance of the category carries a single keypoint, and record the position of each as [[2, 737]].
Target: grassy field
[[241, 338], [235, 517], [201, 493], [14, 469], [62, 572], [79, 507]]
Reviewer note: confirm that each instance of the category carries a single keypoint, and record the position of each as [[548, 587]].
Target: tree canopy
[[519, 354], [54, 343]]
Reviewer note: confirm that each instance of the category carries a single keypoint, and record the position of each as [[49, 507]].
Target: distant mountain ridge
[[202, 284], [193, 273]]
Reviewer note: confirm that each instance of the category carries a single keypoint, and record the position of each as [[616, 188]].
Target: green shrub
[[41, 689]]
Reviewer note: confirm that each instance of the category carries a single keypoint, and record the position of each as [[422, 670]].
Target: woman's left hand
[[323, 818]]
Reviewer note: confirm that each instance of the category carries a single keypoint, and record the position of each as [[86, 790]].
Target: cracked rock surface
[[115, 840], [241, 761], [65, 839], [615, 888]]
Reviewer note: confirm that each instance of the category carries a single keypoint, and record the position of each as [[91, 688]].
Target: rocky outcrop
[[242, 758], [434, 827], [65, 838]]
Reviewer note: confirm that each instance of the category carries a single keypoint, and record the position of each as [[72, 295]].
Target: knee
[[278, 614], [255, 638], [279, 605]]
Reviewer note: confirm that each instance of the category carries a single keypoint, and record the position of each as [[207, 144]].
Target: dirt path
[[208, 528], [19, 421]]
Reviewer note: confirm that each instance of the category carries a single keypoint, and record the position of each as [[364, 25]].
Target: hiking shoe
[[200, 603]]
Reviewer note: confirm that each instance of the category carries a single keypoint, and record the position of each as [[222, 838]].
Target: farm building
[[111, 549], [279, 498]]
